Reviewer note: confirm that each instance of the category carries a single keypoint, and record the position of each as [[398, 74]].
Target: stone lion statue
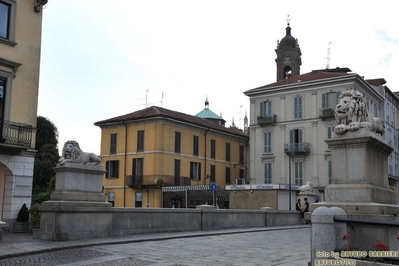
[[351, 114], [71, 152], [307, 188]]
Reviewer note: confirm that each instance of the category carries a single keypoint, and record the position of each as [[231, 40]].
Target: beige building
[[20, 43], [157, 157]]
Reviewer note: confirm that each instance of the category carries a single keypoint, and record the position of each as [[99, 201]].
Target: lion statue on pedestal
[[351, 114], [72, 153]]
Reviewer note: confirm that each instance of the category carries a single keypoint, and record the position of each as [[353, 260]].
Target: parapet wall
[[70, 223]]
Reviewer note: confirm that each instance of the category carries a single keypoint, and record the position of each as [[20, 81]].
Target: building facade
[[157, 157], [291, 118], [20, 43]]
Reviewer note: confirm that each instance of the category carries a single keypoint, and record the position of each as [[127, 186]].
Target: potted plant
[[34, 220], [159, 182], [22, 223]]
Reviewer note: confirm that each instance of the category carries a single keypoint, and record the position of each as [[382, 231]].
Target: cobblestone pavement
[[289, 247]]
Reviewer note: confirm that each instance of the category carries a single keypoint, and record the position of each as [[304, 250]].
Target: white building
[[290, 119]]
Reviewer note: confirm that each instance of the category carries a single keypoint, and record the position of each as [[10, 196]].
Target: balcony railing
[[156, 181], [16, 134], [267, 120], [297, 148], [326, 113]]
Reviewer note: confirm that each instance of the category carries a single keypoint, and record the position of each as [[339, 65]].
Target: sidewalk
[[19, 244]]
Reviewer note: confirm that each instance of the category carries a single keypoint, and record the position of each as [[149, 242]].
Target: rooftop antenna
[[328, 56], [146, 96]]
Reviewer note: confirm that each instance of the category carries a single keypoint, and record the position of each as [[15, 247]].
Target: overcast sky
[[102, 59]]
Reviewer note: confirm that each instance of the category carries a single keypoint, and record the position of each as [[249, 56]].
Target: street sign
[[214, 187]]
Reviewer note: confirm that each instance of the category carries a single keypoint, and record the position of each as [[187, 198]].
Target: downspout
[[205, 155], [124, 167]]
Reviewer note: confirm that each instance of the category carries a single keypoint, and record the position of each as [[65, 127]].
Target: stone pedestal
[[77, 208], [360, 175], [360, 186]]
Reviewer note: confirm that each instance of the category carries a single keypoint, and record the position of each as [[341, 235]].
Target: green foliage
[[45, 161], [23, 214], [47, 133], [34, 216]]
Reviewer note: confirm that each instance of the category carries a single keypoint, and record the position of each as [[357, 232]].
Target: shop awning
[[199, 192]]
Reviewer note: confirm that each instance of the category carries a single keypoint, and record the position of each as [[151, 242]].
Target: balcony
[[148, 181], [267, 120], [297, 148], [16, 134], [325, 113]]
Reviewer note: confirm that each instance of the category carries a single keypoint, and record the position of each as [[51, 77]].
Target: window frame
[[140, 140], [11, 23], [267, 148], [330, 98], [266, 108], [298, 173], [195, 171], [138, 169], [298, 107], [228, 175], [195, 145], [228, 152], [113, 143], [177, 142], [213, 149], [268, 172], [112, 169]]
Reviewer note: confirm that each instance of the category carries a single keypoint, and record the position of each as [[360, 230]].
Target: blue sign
[[214, 187]]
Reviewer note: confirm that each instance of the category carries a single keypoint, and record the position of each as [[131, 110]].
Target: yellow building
[[155, 150], [20, 43]]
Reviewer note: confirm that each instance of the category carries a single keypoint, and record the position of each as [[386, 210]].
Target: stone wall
[[70, 223]]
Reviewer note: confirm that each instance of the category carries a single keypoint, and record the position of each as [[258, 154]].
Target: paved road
[[289, 247]]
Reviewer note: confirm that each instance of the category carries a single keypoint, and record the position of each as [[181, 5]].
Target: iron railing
[[297, 148], [267, 120], [16, 134], [326, 113]]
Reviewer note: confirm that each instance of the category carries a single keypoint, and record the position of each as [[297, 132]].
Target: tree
[[46, 159]]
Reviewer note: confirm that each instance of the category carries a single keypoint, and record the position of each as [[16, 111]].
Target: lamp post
[[290, 155]]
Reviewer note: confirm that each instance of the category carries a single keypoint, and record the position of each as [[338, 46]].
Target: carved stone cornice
[[10, 64]]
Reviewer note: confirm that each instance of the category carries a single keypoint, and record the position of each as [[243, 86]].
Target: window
[[298, 173], [7, 21], [177, 173], [329, 171], [195, 145], [330, 100], [3, 86], [298, 107], [138, 170], [296, 136], [112, 168], [140, 140], [228, 152], [242, 176], [267, 142], [195, 171], [267, 172], [177, 142], [112, 148], [241, 154], [266, 108], [227, 175], [213, 173], [213, 149], [330, 130]]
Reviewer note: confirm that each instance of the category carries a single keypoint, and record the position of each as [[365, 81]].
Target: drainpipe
[[124, 167], [205, 155]]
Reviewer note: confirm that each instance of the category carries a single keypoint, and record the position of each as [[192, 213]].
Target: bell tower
[[288, 55]]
